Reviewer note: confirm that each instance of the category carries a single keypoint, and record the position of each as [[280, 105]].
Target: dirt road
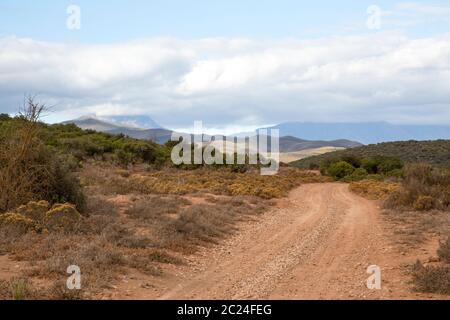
[[317, 244]]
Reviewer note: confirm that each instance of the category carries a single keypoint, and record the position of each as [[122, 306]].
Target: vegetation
[[423, 188], [434, 278], [350, 168], [374, 190], [436, 153], [112, 203], [219, 181], [29, 170]]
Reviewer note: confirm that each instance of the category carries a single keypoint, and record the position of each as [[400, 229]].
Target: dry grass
[[412, 228], [374, 190], [221, 181], [145, 233], [136, 219], [175, 224]]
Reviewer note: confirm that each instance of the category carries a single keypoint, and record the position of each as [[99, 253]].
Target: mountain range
[[366, 133], [161, 135]]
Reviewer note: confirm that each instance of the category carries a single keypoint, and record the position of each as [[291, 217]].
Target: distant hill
[[366, 133], [292, 144], [434, 152], [158, 135]]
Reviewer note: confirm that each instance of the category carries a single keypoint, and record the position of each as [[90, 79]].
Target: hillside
[[434, 152], [157, 134], [366, 133], [292, 144]]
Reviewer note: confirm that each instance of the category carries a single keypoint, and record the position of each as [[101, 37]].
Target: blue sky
[[122, 20], [236, 65]]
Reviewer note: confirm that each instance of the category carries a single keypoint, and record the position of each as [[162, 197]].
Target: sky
[[235, 65]]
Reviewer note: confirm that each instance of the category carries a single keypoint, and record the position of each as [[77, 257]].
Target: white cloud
[[409, 14], [235, 82]]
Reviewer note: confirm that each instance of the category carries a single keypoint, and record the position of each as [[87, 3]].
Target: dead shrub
[[424, 203], [99, 206], [432, 279], [204, 223], [153, 207], [444, 251], [163, 257]]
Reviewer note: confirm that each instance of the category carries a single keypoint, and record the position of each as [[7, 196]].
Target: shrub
[[373, 189], [62, 218], [16, 224], [444, 251], [34, 210], [357, 175], [396, 173], [353, 160], [30, 170], [64, 187], [370, 165], [399, 199], [423, 188], [340, 170], [433, 279], [424, 203], [387, 164]]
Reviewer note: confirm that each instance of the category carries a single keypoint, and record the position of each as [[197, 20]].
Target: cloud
[[410, 14], [235, 82]]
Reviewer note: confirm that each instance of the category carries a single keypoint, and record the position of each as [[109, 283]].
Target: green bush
[[357, 175], [370, 165], [396, 173], [375, 177], [353, 160], [340, 170], [386, 165]]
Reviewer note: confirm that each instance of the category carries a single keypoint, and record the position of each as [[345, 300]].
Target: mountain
[[291, 144], [435, 152], [366, 133], [138, 122], [158, 135], [87, 123], [161, 135]]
